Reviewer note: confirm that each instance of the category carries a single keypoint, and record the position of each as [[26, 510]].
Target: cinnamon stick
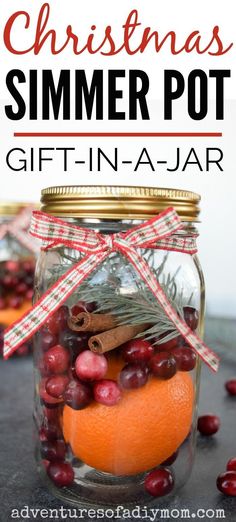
[[111, 339], [87, 322]]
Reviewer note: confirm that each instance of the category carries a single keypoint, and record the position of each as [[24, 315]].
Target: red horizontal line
[[118, 134]]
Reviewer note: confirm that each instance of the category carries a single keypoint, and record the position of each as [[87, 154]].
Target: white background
[[217, 246]]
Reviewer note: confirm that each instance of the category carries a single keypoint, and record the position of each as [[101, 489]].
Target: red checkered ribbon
[[159, 232], [18, 227]]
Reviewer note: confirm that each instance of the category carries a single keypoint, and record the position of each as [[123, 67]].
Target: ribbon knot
[[157, 233], [109, 241]]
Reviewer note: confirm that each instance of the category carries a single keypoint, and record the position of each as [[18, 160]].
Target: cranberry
[[171, 459], [15, 302], [47, 340], [82, 306], [137, 351], [21, 289], [107, 392], [48, 400], [133, 376], [28, 267], [208, 424], [61, 473], [169, 345], [10, 281], [43, 370], [53, 451], [159, 482], [45, 463], [12, 266], [185, 358], [29, 294], [163, 365], [56, 385], [77, 395], [50, 431], [191, 316], [226, 483], [58, 321], [231, 386], [3, 304], [231, 465], [50, 416], [1, 337], [74, 341], [90, 366], [23, 350], [56, 359]]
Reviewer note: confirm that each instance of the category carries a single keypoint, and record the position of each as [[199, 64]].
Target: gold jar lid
[[115, 202]]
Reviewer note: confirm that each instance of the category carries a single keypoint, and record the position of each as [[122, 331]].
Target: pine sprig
[[137, 307]]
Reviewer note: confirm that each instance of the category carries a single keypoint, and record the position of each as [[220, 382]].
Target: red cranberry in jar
[[137, 351], [58, 321]]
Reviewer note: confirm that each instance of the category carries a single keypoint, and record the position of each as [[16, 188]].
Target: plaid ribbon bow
[[158, 232], [18, 227]]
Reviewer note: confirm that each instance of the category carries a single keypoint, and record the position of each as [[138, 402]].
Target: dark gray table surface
[[20, 485]]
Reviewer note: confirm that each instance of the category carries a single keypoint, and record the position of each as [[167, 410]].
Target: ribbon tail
[[141, 266], [25, 240], [31, 322]]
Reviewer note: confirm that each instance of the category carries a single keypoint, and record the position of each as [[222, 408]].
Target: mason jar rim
[[118, 202]]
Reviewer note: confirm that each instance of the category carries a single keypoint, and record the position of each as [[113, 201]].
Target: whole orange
[[138, 433]]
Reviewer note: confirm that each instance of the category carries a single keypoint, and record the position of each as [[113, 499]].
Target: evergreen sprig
[[137, 307]]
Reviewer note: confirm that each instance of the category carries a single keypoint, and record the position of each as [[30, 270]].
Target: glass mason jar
[[17, 265], [107, 425]]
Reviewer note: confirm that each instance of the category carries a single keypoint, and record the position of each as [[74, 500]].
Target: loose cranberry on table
[[185, 358], [163, 365], [78, 395], [53, 450], [58, 321], [231, 465], [90, 366], [107, 392], [191, 317], [230, 386], [137, 351], [208, 424], [159, 482], [56, 360], [61, 473], [133, 376], [56, 385], [226, 483]]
